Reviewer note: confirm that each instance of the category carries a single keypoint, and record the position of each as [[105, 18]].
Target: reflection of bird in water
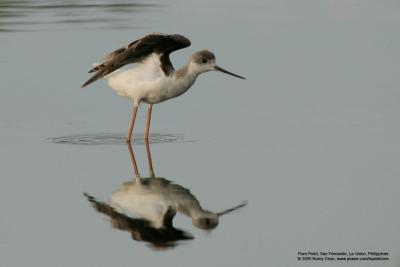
[[142, 229], [154, 80], [155, 201]]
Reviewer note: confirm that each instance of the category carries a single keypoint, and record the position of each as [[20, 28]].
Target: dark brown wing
[[161, 44]]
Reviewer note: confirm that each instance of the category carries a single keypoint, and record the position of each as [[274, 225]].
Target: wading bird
[[154, 79]]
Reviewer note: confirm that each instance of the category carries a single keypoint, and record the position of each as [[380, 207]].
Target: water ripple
[[116, 139], [42, 15]]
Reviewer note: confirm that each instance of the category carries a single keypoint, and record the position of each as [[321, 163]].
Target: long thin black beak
[[228, 72], [241, 205]]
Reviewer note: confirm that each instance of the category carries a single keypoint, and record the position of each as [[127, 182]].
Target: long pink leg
[[128, 138], [146, 134], [150, 162], [135, 168]]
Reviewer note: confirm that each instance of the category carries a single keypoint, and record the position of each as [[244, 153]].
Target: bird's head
[[204, 61], [207, 221]]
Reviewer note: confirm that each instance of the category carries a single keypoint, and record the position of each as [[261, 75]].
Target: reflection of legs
[[146, 134], [135, 168], [128, 138], [150, 162]]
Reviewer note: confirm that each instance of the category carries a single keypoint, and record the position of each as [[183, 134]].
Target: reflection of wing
[[141, 229], [161, 44], [168, 216]]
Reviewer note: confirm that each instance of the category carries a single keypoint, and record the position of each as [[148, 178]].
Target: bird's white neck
[[187, 72], [183, 79]]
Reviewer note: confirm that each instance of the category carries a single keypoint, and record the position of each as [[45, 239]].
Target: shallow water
[[309, 140]]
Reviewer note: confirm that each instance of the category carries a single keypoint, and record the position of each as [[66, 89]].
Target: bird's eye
[[204, 60]]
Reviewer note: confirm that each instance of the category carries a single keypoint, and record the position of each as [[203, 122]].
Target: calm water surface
[[310, 140]]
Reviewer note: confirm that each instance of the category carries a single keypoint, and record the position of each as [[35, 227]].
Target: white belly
[[146, 205], [148, 83]]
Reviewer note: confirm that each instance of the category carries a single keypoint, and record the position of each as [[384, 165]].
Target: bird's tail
[[101, 72], [96, 66]]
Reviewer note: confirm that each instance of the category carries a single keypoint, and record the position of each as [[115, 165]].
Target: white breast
[[134, 199], [147, 82]]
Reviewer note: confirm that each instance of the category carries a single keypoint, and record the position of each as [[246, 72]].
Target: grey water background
[[310, 139]]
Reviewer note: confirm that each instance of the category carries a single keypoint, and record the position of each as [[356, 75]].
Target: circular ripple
[[112, 139]]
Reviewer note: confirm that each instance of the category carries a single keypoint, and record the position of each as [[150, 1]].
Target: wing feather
[[161, 44]]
